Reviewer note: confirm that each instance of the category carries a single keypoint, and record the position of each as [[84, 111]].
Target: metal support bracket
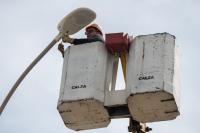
[[112, 50], [124, 48], [137, 127]]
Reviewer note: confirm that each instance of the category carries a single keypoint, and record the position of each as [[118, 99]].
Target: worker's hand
[[66, 38], [61, 48]]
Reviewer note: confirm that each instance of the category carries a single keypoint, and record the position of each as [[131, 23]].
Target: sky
[[27, 27]]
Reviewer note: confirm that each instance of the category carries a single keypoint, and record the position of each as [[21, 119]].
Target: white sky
[[27, 27]]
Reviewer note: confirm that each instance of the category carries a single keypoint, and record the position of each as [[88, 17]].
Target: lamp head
[[76, 20]]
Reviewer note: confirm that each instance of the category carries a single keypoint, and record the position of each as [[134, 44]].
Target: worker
[[94, 33]]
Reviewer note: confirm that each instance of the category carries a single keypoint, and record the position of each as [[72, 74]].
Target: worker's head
[[92, 30]]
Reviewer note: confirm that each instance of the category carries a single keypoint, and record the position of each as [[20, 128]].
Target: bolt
[[148, 129], [129, 129]]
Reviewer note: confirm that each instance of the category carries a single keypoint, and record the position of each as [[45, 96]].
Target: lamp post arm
[[57, 38]]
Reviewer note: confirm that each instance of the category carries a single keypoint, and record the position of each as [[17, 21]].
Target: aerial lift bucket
[[153, 78], [81, 101]]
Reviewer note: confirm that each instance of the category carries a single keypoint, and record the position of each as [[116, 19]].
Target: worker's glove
[[66, 38], [61, 49]]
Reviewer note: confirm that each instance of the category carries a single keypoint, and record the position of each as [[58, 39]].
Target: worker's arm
[[66, 38], [94, 38], [88, 40]]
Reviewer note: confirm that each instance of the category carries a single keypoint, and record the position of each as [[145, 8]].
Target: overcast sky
[[28, 26]]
